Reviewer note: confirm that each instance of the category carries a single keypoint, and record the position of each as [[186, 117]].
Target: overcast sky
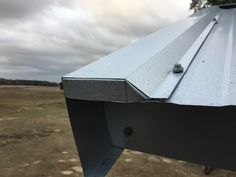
[[46, 39]]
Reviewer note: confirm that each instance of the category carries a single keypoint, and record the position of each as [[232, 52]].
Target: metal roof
[[190, 63], [142, 72]]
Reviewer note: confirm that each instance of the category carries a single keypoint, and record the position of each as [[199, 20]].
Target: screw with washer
[[178, 68]]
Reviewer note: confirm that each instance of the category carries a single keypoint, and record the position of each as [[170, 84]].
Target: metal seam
[[168, 86]]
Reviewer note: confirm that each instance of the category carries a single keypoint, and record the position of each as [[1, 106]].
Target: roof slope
[[211, 78], [203, 44]]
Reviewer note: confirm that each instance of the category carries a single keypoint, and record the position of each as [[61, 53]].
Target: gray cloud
[[48, 38], [21, 8]]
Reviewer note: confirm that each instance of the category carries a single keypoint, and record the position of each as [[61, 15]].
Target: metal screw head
[[128, 131], [178, 68]]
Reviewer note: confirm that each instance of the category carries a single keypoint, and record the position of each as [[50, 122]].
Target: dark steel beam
[[204, 135]]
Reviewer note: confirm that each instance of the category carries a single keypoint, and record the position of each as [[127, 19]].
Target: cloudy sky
[[46, 39]]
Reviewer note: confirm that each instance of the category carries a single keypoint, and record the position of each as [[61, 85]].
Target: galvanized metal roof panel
[[152, 73], [204, 43], [211, 78], [123, 62]]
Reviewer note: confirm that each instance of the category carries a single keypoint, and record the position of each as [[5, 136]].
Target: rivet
[[128, 132], [178, 68]]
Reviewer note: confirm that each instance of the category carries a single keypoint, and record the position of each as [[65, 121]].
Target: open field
[[36, 141]]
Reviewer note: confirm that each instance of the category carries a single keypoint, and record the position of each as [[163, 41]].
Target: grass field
[[36, 141]]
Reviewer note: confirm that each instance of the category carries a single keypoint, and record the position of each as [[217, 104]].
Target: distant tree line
[[199, 4], [27, 82]]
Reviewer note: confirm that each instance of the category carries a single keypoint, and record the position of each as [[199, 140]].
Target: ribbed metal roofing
[[203, 44]]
